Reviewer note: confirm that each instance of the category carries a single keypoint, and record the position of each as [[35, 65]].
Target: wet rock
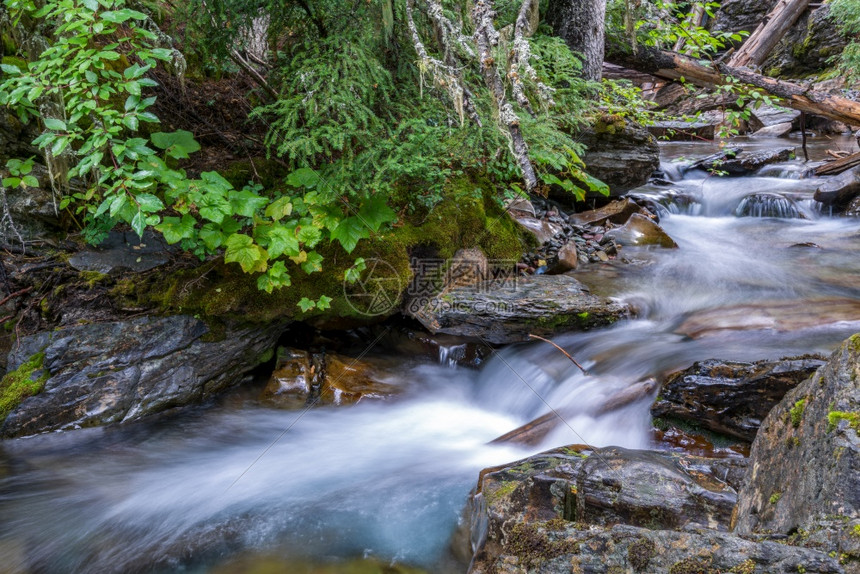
[[618, 212], [640, 230], [507, 311], [568, 258], [521, 206], [769, 116], [276, 565], [769, 205], [805, 462], [853, 208], [839, 189], [323, 378], [542, 229], [731, 397], [123, 250], [121, 371], [746, 163], [706, 126], [774, 131], [34, 209], [623, 155], [775, 315], [562, 511]]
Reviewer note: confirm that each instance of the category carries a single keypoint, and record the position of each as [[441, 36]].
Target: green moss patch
[[19, 384], [834, 417], [796, 412]]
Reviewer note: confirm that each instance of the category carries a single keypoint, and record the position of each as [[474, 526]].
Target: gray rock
[[805, 462], [623, 159], [746, 162], [542, 229], [769, 116], [15, 137], [773, 131], [115, 372], [34, 209], [507, 311], [853, 208], [807, 46], [839, 189], [731, 397], [563, 511], [568, 258], [740, 15], [123, 250]]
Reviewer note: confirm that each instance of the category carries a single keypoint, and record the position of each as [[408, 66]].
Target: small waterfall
[[769, 205], [450, 355]]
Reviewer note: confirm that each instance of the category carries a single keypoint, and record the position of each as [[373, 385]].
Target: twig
[[6, 318], [15, 294], [566, 354]]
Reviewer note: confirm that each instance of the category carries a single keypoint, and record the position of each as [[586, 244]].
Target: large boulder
[[576, 509], [509, 310], [620, 153], [839, 189], [121, 371], [731, 397], [805, 463]]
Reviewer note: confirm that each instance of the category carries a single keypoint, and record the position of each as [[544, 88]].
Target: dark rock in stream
[[575, 509], [623, 155], [731, 397], [508, 311], [746, 163], [115, 372], [839, 189], [805, 463]]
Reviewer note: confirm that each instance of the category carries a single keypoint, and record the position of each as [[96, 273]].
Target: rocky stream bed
[[713, 427]]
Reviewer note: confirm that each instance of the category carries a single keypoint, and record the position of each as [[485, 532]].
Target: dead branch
[[15, 294], [756, 48], [566, 354], [520, 56], [838, 166]]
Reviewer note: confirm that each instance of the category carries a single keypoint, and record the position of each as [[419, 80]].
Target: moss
[[533, 547], [796, 412], [19, 384], [854, 341], [745, 567], [692, 566], [224, 291], [14, 61], [504, 489], [266, 356], [856, 530], [640, 553], [774, 498], [93, 277], [834, 418]]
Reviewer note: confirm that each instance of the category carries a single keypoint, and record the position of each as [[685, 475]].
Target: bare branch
[[486, 37], [448, 29], [520, 64]]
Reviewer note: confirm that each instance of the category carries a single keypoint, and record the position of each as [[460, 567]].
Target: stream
[[388, 480]]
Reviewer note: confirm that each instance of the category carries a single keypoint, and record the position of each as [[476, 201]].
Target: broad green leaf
[[118, 204], [246, 203], [30, 181], [149, 203], [138, 223], [282, 240], [309, 234], [11, 181], [175, 229], [55, 124], [375, 212], [241, 249], [10, 69], [275, 278], [349, 232], [211, 236], [313, 262], [306, 304], [177, 144], [279, 209], [303, 177], [353, 274], [324, 302]]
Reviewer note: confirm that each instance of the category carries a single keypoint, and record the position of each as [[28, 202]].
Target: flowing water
[[389, 479]]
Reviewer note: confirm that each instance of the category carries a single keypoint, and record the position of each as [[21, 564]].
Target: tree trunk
[[581, 24], [756, 48], [675, 66]]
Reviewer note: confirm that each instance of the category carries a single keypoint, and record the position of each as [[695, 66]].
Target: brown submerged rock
[[641, 230], [731, 397], [617, 212]]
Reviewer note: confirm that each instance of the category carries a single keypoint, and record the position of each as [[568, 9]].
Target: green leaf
[[280, 208], [11, 181], [130, 122], [309, 234], [324, 302], [246, 203], [177, 144], [306, 304], [282, 239], [149, 203], [120, 16], [241, 249], [349, 232], [10, 69], [55, 124], [118, 204], [275, 278], [211, 236], [138, 223], [375, 212], [353, 274], [30, 181], [108, 55], [303, 177], [175, 229], [313, 262]]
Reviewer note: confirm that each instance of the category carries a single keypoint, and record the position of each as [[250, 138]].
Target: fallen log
[[674, 66], [838, 166], [758, 46]]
